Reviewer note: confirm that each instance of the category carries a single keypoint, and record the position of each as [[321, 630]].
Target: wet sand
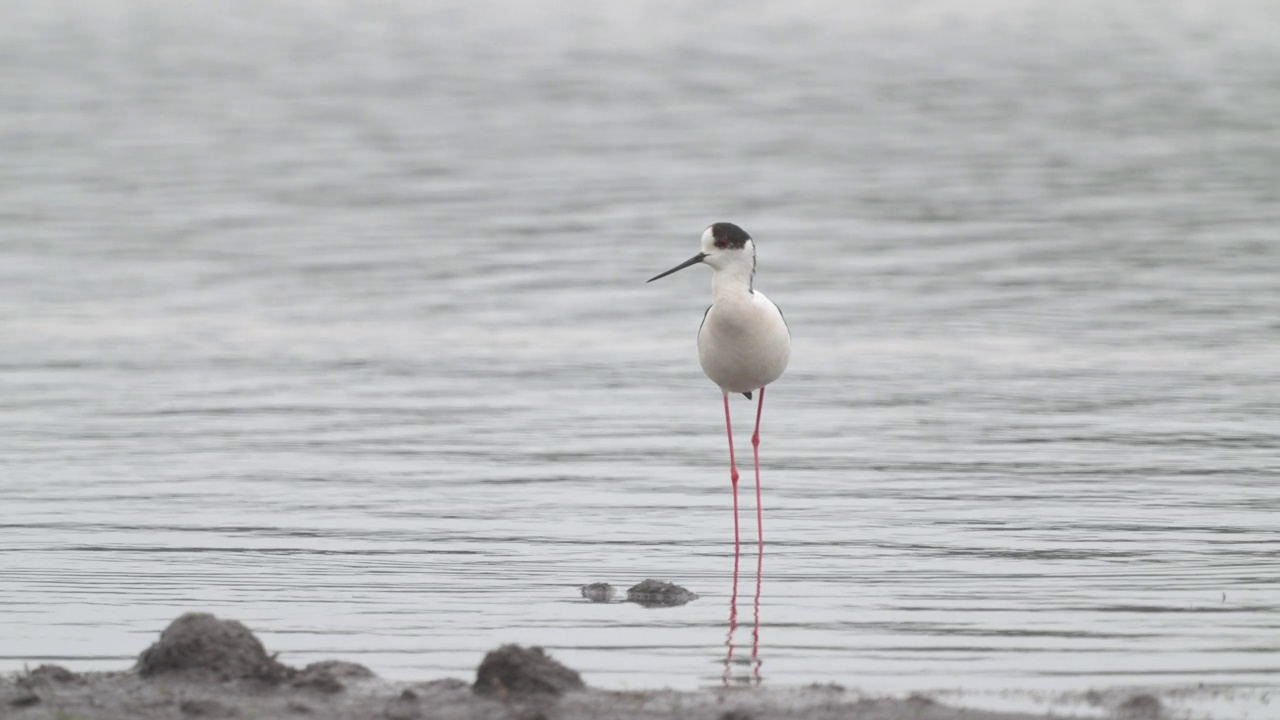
[[126, 696], [204, 667]]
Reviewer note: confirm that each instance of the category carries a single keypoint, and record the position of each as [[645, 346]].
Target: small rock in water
[[515, 670], [598, 592], [655, 593]]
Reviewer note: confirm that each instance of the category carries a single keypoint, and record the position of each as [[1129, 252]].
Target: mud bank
[[203, 667]]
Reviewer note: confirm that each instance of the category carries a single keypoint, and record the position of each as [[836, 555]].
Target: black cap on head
[[728, 235]]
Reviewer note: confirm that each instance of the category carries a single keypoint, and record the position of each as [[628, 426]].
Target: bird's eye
[[722, 243]]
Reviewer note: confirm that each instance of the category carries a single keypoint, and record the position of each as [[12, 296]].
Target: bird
[[744, 342]]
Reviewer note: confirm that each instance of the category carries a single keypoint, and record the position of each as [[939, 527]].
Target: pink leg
[[733, 625], [755, 625], [755, 451], [733, 474]]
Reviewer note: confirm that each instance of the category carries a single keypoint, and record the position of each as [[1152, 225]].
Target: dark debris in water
[[598, 592], [655, 593]]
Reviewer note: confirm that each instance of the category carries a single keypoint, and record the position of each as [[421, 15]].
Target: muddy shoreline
[[205, 667]]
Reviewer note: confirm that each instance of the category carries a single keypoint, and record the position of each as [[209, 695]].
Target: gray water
[[331, 318]]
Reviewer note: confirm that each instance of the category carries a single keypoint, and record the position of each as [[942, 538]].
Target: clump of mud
[[45, 679], [598, 592], [205, 708], [655, 593], [49, 675], [199, 643], [515, 670], [326, 676]]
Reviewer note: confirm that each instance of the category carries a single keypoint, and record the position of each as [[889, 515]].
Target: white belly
[[744, 346]]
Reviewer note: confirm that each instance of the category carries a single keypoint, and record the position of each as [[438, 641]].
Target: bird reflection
[[754, 662], [755, 624], [733, 623]]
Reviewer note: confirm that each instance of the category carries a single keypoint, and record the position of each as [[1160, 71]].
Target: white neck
[[733, 280]]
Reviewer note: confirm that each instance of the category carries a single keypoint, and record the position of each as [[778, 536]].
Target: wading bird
[[743, 343]]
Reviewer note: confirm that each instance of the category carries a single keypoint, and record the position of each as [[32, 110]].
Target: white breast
[[744, 343]]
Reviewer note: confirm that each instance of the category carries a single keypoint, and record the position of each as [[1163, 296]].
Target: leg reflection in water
[[754, 661], [733, 623], [755, 624]]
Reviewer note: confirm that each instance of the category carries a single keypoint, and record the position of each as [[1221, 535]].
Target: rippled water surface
[[332, 319]]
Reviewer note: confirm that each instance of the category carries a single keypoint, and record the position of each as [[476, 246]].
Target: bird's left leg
[[733, 478]]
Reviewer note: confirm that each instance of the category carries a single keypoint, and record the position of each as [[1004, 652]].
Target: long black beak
[[691, 261]]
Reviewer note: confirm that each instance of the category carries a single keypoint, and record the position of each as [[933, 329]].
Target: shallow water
[[332, 320]]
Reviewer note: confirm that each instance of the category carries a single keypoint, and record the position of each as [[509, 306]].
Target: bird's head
[[724, 246]]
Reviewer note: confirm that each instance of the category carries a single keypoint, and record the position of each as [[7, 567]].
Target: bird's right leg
[[733, 474]]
